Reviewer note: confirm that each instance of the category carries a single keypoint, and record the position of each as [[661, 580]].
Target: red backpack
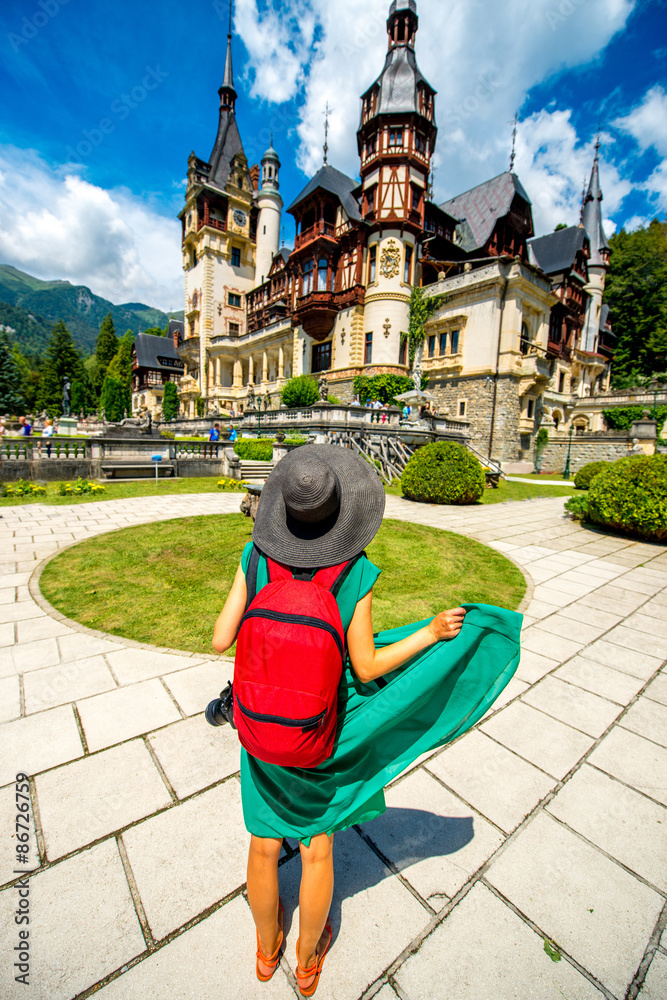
[[290, 652]]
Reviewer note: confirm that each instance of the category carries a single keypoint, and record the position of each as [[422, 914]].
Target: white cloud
[[278, 41], [483, 57], [553, 168], [58, 225], [647, 123]]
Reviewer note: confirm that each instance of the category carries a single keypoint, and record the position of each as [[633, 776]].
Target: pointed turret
[[227, 92], [592, 217]]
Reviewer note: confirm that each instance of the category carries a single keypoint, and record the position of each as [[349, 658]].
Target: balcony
[[326, 229], [316, 313], [212, 224], [188, 349]]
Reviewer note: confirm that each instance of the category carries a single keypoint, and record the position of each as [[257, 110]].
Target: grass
[[166, 583], [530, 490], [122, 490]]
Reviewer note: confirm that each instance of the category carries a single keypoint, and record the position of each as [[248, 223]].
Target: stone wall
[[478, 394], [585, 448]]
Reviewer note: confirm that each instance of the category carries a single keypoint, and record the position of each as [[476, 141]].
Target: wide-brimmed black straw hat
[[320, 506]]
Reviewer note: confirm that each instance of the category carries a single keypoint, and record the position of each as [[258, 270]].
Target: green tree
[[302, 390], [383, 387], [421, 310], [636, 292], [156, 331], [170, 401], [29, 365], [61, 360], [120, 365], [12, 400], [106, 347], [561, 225], [114, 399]]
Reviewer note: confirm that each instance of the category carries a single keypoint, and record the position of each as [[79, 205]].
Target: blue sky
[[103, 103]]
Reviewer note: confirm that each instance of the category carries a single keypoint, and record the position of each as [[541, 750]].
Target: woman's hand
[[447, 624]]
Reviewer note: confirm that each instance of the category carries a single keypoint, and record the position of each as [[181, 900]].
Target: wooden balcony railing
[[319, 229]]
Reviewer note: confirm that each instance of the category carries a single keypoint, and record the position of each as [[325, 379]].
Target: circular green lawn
[[166, 583]]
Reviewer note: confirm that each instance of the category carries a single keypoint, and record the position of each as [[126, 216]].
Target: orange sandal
[[272, 960], [314, 970]]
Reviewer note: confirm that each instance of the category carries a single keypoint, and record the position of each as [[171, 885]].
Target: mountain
[[31, 306]]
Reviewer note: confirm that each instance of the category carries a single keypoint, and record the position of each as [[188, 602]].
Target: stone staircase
[[255, 472]]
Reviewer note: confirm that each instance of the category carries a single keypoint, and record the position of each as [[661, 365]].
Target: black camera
[[221, 710]]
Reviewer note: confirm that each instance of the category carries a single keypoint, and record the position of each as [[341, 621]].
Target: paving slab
[[657, 689], [111, 789], [655, 984], [622, 822], [38, 742], [35, 655], [189, 857], [499, 784], [629, 661], [490, 953], [635, 761], [550, 745], [125, 712], [594, 910], [40, 628], [647, 718], [214, 960], [75, 645], [533, 666], [369, 905], [7, 636], [10, 698], [572, 705], [570, 628], [195, 686], [132, 664], [606, 682], [83, 925], [633, 639], [433, 838], [66, 682], [194, 755], [545, 643]]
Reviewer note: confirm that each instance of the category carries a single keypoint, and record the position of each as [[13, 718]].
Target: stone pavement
[[548, 821]]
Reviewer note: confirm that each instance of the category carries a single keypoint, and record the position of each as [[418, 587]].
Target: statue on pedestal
[[323, 386], [67, 385], [417, 377]]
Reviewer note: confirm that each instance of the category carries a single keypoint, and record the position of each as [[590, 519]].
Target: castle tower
[[218, 253], [270, 206], [598, 265], [396, 140]]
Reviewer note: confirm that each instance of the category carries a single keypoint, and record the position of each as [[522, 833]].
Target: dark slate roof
[[557, 251], [592, 215], [329, 179], [176, 326], [479, 209], [398, 82], [149, 348], [227, 145]]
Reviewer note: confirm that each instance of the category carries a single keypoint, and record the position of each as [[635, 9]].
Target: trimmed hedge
[[582, 480], [302, 390], [444, 472], [631, 496], [254, 451]]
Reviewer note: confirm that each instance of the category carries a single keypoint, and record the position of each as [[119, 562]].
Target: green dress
[[382, 729]]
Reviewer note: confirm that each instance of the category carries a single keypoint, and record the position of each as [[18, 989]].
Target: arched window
[[308, 277], [322, 268]]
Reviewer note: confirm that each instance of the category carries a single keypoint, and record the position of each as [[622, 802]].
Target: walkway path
[[547, 821]]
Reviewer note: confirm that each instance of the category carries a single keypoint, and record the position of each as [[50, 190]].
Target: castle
[[519, 338]]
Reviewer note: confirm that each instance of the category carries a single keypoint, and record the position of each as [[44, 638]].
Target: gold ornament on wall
[[390, 260]]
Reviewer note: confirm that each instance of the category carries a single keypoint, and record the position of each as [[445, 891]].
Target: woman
[[48, 433], [402, 693]]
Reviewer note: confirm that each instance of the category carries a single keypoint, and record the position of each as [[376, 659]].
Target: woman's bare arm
[[229, 619], [369, 663]]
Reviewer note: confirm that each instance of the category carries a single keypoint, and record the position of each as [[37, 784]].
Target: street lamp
[[259, 416], [566, 473]]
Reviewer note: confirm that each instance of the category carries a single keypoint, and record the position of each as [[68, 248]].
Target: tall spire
[[592, 216], [327, 111], [515, 123], [227, 92]]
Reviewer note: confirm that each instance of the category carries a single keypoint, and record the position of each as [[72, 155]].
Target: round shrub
[[582, 480], [302, 390], [444, 472], [631, 496]]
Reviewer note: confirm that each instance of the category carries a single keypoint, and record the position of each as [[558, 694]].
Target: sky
[[103, 102]]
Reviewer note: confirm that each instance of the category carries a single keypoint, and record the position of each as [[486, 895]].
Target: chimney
[[254, 176]]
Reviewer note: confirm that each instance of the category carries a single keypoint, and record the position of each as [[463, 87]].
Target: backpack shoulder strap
[[277, 571], [251, 576], [331, 577]]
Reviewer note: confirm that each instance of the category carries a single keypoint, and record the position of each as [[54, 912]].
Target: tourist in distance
[[214, 433], [233, 434], [309, 773], [48, 433]]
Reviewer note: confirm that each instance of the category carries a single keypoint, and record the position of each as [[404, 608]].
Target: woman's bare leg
[[317, 880], [263, 892]]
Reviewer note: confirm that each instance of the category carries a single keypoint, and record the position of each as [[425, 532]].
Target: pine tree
[[113, 399], [12, 400], [121, 364], [106, 347], [170, 401], [61, 360]]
